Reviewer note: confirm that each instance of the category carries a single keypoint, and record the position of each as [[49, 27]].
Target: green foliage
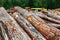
[[50, 4], [31, 3], [11, 3]]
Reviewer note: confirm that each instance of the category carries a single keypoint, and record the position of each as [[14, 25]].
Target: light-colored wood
[[50, 33], [3, 32], [15, 32], [48, 18], [34, 34], [50, 14]]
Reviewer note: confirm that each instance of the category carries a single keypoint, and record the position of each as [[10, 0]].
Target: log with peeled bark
[[3, 32], [52, 24], [48, 18], [22, 11], [31, 31], [45, 32], [43, 21], [1, 38], [52, 15], [50, 33], [56, 12], [14, 31], [53, 29], [46, 21]]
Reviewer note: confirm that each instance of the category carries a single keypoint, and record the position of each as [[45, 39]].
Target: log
[[56, 12], [53, 29], [23, 11], [1, 38], [52, 24], [47, 22], [48, 18], [44, 31], [42, 21], [3, 32], [52, 15], [31, 31], [15, 32], [48, 32]]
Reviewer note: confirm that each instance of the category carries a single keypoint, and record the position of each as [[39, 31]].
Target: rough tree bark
[[1, 38], [52, 24], [52, 15], [50, 33], [15, 32], [3, 32], [34, 34], [47, 22], [48, 18]]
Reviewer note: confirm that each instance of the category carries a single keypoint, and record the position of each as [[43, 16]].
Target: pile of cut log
[[20, 24]]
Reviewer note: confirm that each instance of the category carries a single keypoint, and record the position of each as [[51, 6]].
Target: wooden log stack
[[49, 32], [14, 31], [20, 24], [31, 31]]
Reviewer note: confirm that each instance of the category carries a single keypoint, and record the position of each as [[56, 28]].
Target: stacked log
[[49, 32], [20, 24], [1, 38], [14, 31], [53, 15], [50, 20], [3, 32], [52, 24], [31, 31]]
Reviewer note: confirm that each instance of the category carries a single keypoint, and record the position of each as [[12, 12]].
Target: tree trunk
[[1, 38], [52, 24], [52, 15], [48, 18], [31, 31], [47, 22], [15, 32], [49, 33], [3, 32]]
